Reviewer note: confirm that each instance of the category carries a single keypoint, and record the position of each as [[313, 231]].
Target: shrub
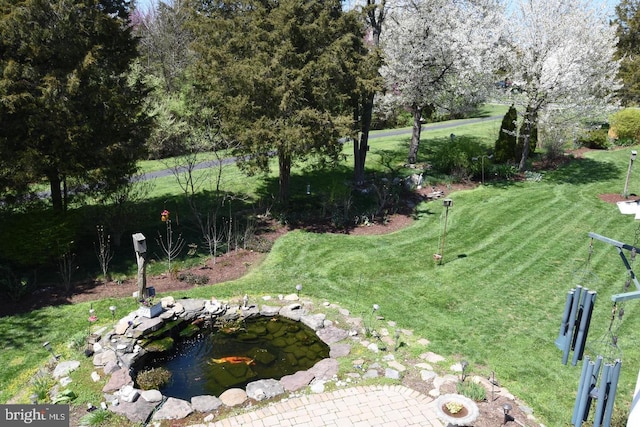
[[625, 126], [153, 379], [193, 279], [456, 157], [473, 391], [96, 418], [41, 384], [595, 139]]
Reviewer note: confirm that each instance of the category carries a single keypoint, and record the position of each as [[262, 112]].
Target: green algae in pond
[[189, 331], [161, 345]]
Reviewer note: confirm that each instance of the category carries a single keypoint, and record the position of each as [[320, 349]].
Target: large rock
[[173, 409], [110, 367], [339, 350], [292, 311], [325, 369], [233, 397], [332, 334], [137, 412], [128, 394], [264, 389], [205, 403], [192, 305], [146, 326], [297, 381], [151, 395], [105, 357], [118, 379], [314, 321], [63, 368], [269, 310]]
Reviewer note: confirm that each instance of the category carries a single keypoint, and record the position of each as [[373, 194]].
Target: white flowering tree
[[439, 53], [561, 58]]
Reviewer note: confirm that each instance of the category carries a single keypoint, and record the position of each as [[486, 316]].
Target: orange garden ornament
[[164, 215]]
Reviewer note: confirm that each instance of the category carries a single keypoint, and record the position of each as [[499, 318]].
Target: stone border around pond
[[114, 352]]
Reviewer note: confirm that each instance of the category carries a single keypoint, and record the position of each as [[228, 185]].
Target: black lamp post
[[447, 203], [506, 408], [625, 192], [464, 365], [47, 346]]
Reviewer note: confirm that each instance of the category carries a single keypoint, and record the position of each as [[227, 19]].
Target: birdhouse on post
[[140, 247]]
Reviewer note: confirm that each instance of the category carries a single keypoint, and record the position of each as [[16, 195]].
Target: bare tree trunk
[[415, 134], [56, 191], [284, 163], [361, 146], [530, 118], [375, 15]]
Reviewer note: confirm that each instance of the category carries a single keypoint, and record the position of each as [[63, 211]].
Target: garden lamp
[[112, 309], [298, 288], [47, 346], [447, 203], [464, 364], [625, 192], [506, 408]]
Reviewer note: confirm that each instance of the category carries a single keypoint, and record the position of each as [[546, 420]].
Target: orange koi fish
[[234, 359]]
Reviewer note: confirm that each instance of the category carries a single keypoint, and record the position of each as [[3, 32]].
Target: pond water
[[235, 355]]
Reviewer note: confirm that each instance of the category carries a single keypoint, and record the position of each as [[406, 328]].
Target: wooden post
[[140, 246]]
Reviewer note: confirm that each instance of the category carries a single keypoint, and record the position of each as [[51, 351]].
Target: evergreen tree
[[281, 74], [628, 50], [68, 107], [505, 146]]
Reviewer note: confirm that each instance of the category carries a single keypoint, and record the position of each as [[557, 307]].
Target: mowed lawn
[[512, 251]]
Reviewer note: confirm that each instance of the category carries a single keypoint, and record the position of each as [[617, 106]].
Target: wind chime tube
[[583, 329], [583, 408], [564, 326], [592, 385], [615, 376], [572, 324], [581, 386], [603, 394]]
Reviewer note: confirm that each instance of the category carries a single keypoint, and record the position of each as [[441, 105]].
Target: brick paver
[[367, 406]]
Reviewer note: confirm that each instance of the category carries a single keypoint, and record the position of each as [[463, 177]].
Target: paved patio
[[365, 406]]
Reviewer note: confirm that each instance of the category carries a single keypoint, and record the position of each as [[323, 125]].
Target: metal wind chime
[[599, 377]]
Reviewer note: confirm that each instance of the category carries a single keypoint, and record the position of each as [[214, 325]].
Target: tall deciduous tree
[[562, 57], [628, 50], [68, 107], [165, 57], [281, 74], [438, 52], [374, 13]]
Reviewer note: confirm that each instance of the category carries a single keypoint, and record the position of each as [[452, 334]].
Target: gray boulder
[[264, 389], [205, 403], [173, 409]]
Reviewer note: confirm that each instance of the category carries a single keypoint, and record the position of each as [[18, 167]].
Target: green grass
[[512, 252]]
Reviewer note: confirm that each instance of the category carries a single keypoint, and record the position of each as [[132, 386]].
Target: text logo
[[34, 415]]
